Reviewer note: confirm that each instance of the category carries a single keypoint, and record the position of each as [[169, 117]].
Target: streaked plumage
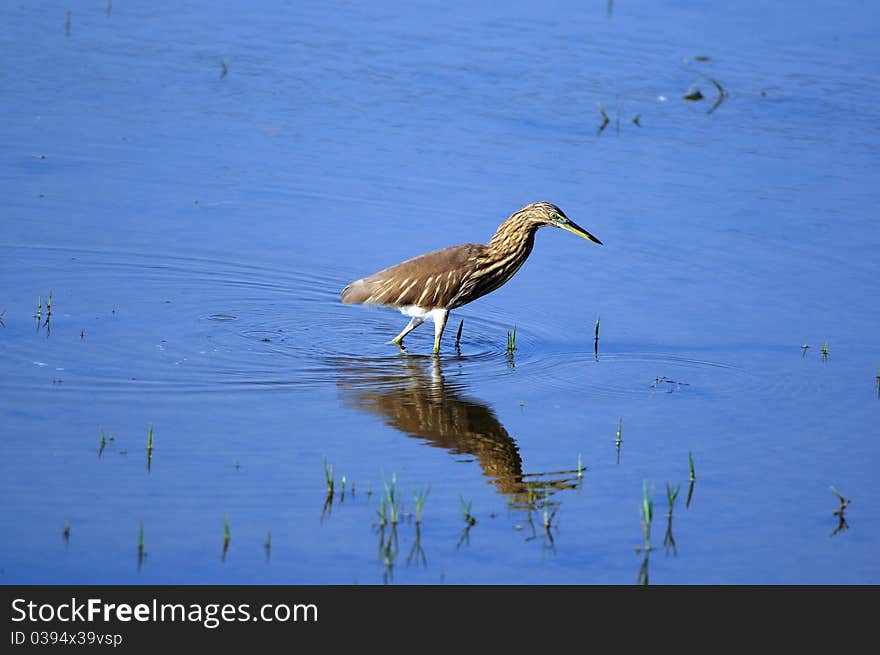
[[437, 282]]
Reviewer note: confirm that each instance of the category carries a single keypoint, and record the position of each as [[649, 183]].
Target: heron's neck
[[499, 259], [513, 240]]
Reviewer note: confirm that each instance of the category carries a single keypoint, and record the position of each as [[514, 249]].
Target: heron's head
[[546, 213]]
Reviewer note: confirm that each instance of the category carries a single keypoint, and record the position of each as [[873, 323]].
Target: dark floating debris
[[694, 93], [673, 384], [702, 58]]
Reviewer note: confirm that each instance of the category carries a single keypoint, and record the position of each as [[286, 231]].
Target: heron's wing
[[429, 280]]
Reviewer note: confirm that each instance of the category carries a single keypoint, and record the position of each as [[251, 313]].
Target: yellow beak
[[574, 228]]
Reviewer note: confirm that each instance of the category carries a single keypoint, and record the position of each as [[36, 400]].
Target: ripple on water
[[655, 371], [197, 324]]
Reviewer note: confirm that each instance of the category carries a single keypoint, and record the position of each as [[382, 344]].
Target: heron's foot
[[399, 343]]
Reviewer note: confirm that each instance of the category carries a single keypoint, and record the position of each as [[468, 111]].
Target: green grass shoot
[[149, 448], [49, 306], [141, 552], [458, 334], [531, 493], [511, 340], [619, 438], [843, 501], [382, 513], [466, 510], [825, 350], [839, 512], [226, 533], [393, 498], [580, 468], [643, 572], [328, 476], [420, 498], [65, 532], [671, 495], [647, 504], [647, 511], [548, 518], [691, 466], [804, 348], [596, 338], [267, 544]]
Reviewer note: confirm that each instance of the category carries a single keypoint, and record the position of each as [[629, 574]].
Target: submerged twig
[[226, 537], [839, 512], [605, 119]]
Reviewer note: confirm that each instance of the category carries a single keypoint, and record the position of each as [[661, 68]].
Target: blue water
[[195, 184]]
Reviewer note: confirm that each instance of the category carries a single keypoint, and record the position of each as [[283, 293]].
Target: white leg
[[440, 316], [414, 322]]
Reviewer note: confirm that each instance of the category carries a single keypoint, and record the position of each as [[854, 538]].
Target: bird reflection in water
[[412, 395]]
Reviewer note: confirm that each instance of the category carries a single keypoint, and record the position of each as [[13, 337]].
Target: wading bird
[[433, 284]]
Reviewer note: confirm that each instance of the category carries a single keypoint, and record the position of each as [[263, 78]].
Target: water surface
[[195, 185]]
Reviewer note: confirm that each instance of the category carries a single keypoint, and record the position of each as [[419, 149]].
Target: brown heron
[[433, 284]]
